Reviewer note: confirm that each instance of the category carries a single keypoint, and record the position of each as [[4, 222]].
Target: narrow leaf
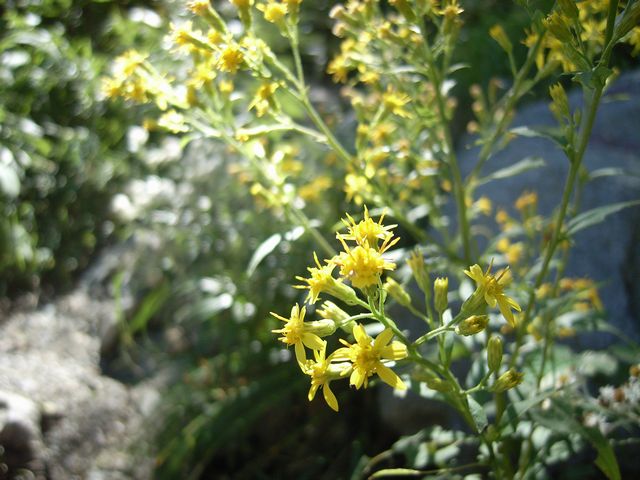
[[517, 168], [397, 472], [264, 249], [597, 215]]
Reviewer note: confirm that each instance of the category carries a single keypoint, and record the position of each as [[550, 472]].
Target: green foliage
[[63, 152]]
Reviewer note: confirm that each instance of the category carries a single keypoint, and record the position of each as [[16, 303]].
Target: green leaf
[[264, 249], [596, 215], [150, 305], [478, 414], [397, 472], [517, 168], [550, 133], [606, 459]]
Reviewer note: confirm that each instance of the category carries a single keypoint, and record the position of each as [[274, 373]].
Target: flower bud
[[322, 328], [500, 36], [494, 353], [508, 380], [472, 325], [568, 8], [439, 385], [397, 292], [333, 312], [416, 263], [560, 104], [441, 290]]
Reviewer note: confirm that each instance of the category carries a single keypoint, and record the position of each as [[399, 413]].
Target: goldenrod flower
[[231, 59], [367, 356], [298, 333], [361, 265], [338, 68], [273, 11], [394, 102], [322, 280], [263, 98], [491, 288], [367, 232], [322, 372]]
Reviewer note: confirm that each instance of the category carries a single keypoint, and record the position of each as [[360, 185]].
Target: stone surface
[[60, 417]]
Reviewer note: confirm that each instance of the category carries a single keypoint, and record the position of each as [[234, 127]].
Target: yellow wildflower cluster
[[362, 265]]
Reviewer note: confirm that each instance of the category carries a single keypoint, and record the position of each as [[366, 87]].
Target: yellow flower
[[298, 333], [321, 280], [367, 356], [322, 372], [199, 7], [491, 288], [362, 265], [230, 59], [273, 11], [367, 232], [527, 200], [338, 68], [263, 98], [394, 101]]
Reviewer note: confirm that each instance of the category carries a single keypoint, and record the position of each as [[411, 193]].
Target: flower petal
[[301, 356], [505, 309], [389, 377], [360, 335], [313, 341], [357, 378], [383, 339], [329, 397], [312, 391]]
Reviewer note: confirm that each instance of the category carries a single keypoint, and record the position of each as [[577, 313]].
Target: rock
[[20, 435], [58, 412]]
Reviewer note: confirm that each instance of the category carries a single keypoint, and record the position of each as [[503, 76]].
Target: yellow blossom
[[230, 59], [526, 201], [361, 265], [199, 7], [491, 288], [298, 333], [313, 190], [483, 204], [322, 372], [322, 281], [367, 232], [394, 102], [263, 98], [273, 11], [338, 68], [367, 357]]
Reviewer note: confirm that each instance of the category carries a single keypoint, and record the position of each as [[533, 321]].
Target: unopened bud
[[494, 353], [333, 312], [416, 263], [508, 380], [441, 291], [568, 8], [322, 328], [500, 36], [439, 385], [472, 325], [397, 292], [560, 103]]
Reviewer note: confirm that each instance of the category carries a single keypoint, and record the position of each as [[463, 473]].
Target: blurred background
[[137, 271]]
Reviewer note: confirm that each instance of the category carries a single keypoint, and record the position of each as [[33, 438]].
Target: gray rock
[[59, 412]]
